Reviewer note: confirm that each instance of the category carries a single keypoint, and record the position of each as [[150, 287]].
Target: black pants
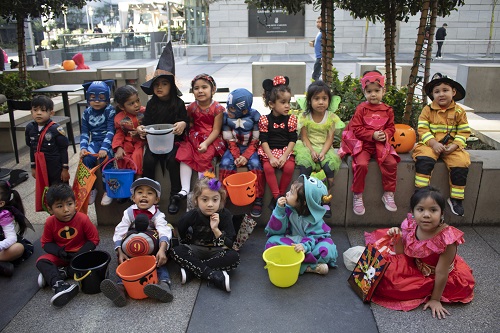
[[167, 161], [440, 45], [51, 272], [202, 260]]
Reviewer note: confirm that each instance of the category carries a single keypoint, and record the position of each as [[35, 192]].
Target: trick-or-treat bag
[[42, 176], [368, 273], [83, 182]]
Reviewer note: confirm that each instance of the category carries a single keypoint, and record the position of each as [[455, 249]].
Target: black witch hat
[[165, 68]]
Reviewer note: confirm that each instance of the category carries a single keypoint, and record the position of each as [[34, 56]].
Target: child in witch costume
[[443, 130], [165, 107], [146, 195], [46, 137], [98, 129], [66, 234], [240, 129]]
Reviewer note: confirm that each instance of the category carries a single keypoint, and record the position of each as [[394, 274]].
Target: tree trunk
[[416, 61], [365, 46], [21, 50], [393, 46], [492, 24], [388, 49], [328, 51], [434, 13]]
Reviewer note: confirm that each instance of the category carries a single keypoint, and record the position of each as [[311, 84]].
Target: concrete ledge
[[481, 201], [296, 72], [480, 82], [487, 205]]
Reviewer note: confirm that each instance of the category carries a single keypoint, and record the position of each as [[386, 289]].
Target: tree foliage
[[20, 10]]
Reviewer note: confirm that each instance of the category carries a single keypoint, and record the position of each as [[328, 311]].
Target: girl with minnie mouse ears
[[278, 134]]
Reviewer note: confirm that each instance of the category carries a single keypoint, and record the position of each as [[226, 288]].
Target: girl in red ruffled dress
[[204, 140], [426, 267]]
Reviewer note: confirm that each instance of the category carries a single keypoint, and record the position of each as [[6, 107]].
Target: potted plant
[[18, 97]]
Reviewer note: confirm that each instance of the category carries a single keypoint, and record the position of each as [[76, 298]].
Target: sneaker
[[160, 292], [220, 280], [106, 200], [456, 206], [357, 204], [6, 268], [186, 275], [321, 269], [63, 275], [257, 208], [388, 200], [64, 292], [92, 196], [114, 291]]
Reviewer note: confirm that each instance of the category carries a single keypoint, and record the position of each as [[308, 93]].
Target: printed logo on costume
[[97, 120], [48, 136], [60, 129], [67, 232]]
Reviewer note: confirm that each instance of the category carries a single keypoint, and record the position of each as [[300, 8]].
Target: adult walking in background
[[317, 52], [440, 36]]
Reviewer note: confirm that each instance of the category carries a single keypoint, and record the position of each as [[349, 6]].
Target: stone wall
[[229, 25]]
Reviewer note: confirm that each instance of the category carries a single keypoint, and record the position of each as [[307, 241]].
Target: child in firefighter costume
[[240, 129], [443, 130]]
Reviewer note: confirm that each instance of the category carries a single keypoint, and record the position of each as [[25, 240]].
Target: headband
[[269, 84], [372, 77], [205, 77]]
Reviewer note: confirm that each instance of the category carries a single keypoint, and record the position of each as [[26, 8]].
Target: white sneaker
[[106, 200], [41, 281], [92, 196]]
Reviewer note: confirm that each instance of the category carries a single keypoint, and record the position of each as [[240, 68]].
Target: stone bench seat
[[480, 204]]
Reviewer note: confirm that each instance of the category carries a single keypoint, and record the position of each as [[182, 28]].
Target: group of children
[[242, 137]]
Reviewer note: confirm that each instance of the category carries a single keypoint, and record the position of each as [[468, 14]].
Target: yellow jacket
[[434, 123]]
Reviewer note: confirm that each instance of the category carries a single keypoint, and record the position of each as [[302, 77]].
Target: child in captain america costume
[[240, 129], [98, 129]]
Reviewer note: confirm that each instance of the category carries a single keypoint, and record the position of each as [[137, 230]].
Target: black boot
[[160, 292], [6, 268], [114, 291]]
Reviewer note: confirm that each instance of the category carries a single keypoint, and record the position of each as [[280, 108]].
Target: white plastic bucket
[[160, 138]]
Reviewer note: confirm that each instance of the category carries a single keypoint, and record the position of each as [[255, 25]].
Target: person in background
[[440, 37], [317, 52], [97, 30]]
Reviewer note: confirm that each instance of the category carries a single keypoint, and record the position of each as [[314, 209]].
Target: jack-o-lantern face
[[251, 191], [404, 138]]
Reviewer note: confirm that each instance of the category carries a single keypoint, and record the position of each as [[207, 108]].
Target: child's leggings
[[388, 168], [286, 176], [202, 260]]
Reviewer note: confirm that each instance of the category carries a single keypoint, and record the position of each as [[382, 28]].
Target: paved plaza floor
[[315, 303]]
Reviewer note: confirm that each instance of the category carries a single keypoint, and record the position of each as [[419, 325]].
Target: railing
[[227, 53], [472, 48], [106, 41]]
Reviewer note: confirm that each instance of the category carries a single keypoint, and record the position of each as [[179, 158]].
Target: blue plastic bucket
[[118, 181]]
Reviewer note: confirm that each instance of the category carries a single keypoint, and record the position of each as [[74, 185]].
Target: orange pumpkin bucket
[[241, 188], [136, 273], [404, 138]]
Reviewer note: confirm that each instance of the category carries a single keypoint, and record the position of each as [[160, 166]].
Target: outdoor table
[[63, 89]]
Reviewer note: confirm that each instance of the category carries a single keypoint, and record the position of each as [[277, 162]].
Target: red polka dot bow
[[282, 125], [279, 80]]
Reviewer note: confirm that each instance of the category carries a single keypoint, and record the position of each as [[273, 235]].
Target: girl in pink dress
[[204, 140], [426, 267]]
